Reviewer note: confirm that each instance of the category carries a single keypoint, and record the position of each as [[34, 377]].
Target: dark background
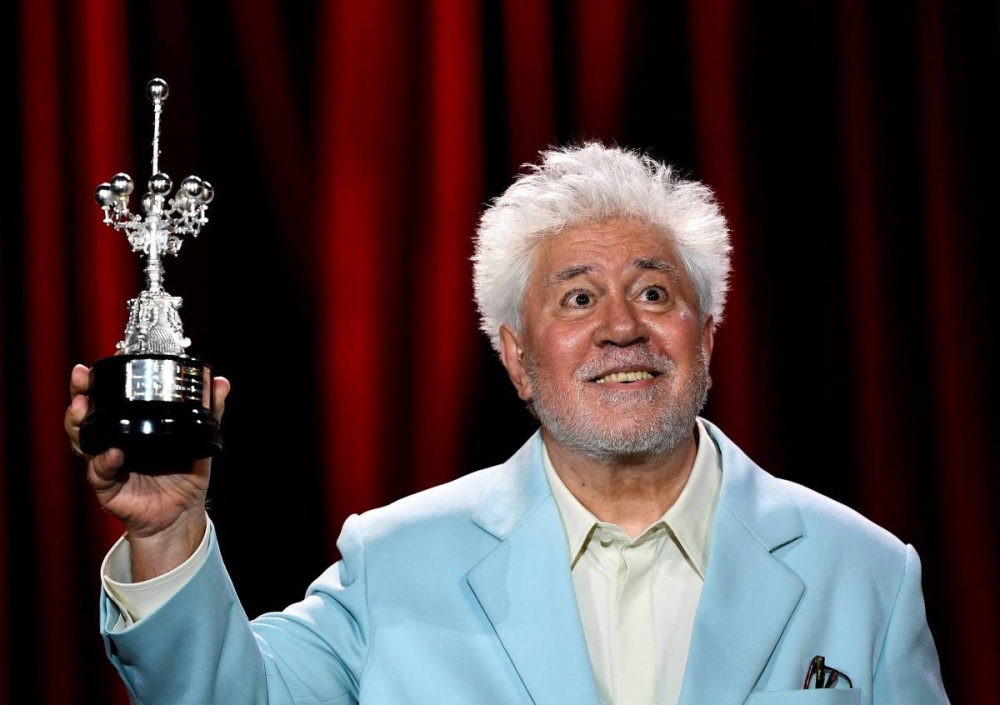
[[353, 144]]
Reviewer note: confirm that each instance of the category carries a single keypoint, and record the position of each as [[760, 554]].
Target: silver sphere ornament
[[157, 90], [121, 184], [191, 187], [207, 192], [160, 184], [104, 195], [147, 202]]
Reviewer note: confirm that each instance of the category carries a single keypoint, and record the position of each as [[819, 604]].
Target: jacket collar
[[755, 497], [518, 487]]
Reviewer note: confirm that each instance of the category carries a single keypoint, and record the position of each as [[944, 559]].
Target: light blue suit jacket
[[462, 594]]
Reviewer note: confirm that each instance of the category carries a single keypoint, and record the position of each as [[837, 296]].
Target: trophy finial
[[157, 90]]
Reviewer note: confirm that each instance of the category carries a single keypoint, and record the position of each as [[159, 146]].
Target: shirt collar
[[690, 518]]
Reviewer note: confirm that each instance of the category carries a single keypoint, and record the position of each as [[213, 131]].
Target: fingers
[[79, 383], [221, 389], [79, 380], [102, 471], [75, 413]]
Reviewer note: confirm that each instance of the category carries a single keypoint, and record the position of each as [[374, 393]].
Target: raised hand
[[162, 508]]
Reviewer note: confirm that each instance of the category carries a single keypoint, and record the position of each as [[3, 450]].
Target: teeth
[[625, 377]]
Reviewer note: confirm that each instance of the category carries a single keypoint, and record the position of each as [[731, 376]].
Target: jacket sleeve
[[907, 671], [199, 647]]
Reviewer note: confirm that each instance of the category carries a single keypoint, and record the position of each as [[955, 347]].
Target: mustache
[[618, 358]]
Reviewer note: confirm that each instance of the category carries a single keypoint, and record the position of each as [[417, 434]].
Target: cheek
[[687, 318], [681, 333], [560, 345], [690, 329], [557, 355]]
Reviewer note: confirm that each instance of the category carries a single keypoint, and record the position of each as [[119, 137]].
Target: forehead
[[605, 246]]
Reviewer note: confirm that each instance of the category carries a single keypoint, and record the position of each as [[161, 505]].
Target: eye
[[577, 299], [653, 294]]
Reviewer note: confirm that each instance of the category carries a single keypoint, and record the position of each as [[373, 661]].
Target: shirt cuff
[[137, 601]]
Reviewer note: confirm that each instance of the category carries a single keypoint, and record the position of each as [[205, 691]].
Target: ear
[[707, 343], [708, 338], [512, 356]]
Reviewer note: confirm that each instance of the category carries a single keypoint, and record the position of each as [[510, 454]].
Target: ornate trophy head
[[154, 324]]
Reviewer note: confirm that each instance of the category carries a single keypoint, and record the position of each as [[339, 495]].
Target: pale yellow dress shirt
[[638, 598]]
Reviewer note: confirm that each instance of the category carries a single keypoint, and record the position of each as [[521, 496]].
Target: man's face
[[613, 355]]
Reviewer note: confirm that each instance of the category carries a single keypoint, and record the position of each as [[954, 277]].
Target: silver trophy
[[151, 399]]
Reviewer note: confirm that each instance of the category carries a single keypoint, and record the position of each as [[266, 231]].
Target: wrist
[[160, 552]]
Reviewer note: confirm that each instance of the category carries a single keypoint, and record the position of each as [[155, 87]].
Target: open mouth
[[626, 377]]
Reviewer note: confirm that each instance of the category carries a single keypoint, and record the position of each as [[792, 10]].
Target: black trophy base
[[156, 408]]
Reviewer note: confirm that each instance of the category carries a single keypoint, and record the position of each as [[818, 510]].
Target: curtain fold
[[444, 333], [369, 82], [44, 297], [529, 87], [972, 573]]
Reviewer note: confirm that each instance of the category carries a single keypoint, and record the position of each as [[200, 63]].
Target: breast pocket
[[806, 697]]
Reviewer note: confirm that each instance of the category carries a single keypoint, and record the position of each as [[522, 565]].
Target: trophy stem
[[154, 261]]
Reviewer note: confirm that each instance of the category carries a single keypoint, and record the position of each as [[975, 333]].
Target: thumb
[[221, 388]]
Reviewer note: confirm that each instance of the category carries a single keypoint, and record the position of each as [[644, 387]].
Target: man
[[627, 553]]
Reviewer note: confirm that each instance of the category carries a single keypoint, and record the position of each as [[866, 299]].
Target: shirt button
[[607, 538]]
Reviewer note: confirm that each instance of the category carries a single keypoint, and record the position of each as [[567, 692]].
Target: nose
[[621, 324]]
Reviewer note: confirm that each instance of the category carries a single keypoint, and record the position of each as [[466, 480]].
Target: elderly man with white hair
[[628, 553]]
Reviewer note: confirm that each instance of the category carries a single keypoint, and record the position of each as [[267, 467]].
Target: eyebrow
[[575, 270], [567, 273], [659, 265]]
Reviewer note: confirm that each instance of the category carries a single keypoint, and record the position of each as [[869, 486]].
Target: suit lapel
[[746, 602], [749, 595], [524, 584]]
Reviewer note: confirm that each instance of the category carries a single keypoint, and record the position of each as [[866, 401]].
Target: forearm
[[138, 600], [197, 647]]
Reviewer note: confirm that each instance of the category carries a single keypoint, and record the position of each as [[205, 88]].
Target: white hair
[[591, 183]]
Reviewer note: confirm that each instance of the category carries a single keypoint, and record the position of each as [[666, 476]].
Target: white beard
[[623, 426]]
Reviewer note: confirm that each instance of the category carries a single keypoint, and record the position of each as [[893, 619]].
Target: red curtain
[[353, 145]]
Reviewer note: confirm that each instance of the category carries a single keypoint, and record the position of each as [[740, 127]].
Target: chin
[[623, 445]]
